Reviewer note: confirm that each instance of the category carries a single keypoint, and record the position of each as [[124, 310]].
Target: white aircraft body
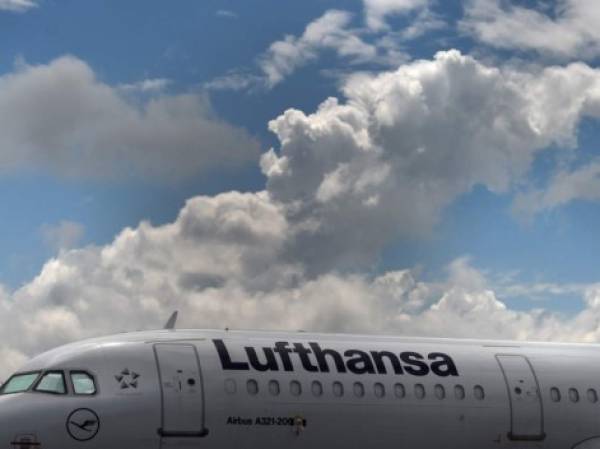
[[218, 389]]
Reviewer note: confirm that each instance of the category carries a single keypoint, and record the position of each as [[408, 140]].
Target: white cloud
[[146, 85], [424, 22], [227, 14], [384, 163], [61, 119], [235, 80], [220, 263], [564, 187], [63, 235], [571, 29], [376, 11], [541, 291], [333, 32], [346, 180], [17, 5], [329, 31]]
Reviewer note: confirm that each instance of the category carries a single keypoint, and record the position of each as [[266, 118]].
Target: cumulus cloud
[[345, 181], [220, 263], [570, 29], [61, 119], [385, 162], [17, 5]]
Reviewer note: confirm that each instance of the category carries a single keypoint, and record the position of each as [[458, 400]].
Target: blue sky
[[117, 114]]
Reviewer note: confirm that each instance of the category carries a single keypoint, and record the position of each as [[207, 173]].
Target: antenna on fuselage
[[172, 321]]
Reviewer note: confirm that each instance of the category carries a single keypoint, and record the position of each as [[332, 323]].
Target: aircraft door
[[527, 418], [182, 392]]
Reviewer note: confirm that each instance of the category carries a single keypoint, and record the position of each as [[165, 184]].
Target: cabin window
[[83, 383], [230, 386], [379, 390], [399, 391], [439, 391], [52, 382], [274, 388], [295, 388], [555, 394], [573, 395], [359, 390], [592, 395], [419, 391], [338, 389], [317, 388], [478, 392], [459, 392], [252, 387], [19, 383]]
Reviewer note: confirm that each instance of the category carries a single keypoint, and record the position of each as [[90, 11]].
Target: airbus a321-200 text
[[218, 389]]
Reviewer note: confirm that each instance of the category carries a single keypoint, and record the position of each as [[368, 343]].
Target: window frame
[[555, 394], [479, 392], [250, 384], [379, 390], [24, 373], [573, 394], [358, 389], [338, 389], [399, 390], [55, 393], [460, 393], [87, 373], [419, 391], [292, 385], [591, 395], [274, 388], [230, 382], [316, 388], [439, 391]]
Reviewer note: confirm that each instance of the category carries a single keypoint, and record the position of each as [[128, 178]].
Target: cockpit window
[[52, 382], [19, 383], [83, 383]]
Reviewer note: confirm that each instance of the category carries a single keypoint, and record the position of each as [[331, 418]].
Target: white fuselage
[[223, 389]]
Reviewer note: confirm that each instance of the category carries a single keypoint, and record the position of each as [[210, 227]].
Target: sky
[[412, 167]]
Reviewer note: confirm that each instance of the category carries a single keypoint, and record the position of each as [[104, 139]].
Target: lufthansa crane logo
[[83, 424]]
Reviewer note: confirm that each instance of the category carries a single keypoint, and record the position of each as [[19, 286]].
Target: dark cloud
[[61, 119]]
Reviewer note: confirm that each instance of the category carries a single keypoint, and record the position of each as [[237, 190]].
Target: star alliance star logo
[[127, 379]]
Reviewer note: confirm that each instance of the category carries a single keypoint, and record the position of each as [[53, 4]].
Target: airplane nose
[[36, 421], [15, 430], [7, 424]]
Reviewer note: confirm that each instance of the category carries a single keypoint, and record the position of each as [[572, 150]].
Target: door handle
[[182, 434]]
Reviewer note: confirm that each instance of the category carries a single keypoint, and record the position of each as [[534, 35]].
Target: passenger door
[[182, 394], [524, 396]]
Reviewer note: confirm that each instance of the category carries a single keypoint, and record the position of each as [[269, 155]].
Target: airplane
[[218, 389]]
